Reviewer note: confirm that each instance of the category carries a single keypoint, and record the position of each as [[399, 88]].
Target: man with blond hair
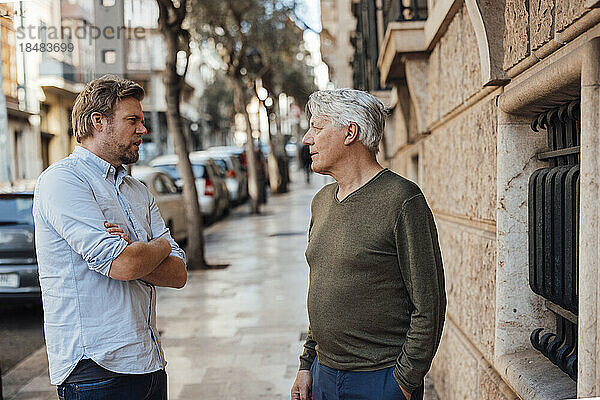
[[102, 247], [376, 298]]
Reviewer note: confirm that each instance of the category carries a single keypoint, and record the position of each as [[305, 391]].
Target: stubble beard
[[121, 152], [128, 156]]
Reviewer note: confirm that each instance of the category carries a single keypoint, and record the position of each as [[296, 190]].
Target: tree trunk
[[195, 241], [278, 166], [251, 161]]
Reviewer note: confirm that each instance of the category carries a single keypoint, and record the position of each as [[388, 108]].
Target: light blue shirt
[[87, 314]]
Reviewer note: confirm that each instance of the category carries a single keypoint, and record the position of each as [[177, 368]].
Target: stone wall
[[459, 181], [457, 172], [459, 372], [473, 162], [458, 164], [454, 72], [529, 28], [516, 35]]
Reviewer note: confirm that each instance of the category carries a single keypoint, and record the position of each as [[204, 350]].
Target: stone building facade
[[336, 50], [466, 80], [20, 136]]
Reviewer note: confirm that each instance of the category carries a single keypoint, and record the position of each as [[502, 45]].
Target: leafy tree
[[218, 100], [256, 39]]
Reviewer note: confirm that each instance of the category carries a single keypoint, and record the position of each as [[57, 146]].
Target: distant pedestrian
[[376, 298], [306, 161], [102, 247]]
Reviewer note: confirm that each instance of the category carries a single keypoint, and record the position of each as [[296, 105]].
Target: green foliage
[[255, 39], [218, 99]]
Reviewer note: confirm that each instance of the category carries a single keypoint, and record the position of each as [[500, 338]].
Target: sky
[[310, 13]]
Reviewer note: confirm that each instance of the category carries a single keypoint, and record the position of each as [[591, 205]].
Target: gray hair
[[343, 106]]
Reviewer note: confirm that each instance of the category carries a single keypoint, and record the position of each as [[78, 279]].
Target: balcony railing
[[554, 233], [404, 10]]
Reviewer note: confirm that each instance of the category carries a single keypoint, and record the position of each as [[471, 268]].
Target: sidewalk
[[233, 333]]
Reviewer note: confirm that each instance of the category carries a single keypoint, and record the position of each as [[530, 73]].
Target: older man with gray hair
[[376, 298]]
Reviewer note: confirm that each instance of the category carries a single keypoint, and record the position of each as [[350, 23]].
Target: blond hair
[[101, 95]]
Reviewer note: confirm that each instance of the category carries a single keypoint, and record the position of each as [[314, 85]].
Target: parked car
[[291, 149], [218, 180], [212, 190], [168, 198], [231, 166], [236, 151], [262, 168], [19, 280]]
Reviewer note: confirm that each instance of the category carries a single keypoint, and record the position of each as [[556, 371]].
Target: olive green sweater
[[376, 296]]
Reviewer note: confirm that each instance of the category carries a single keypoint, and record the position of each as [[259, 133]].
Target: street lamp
[[262, 93]]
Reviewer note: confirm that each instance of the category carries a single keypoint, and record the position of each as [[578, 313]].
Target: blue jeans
[[333, 384], [152, 386]]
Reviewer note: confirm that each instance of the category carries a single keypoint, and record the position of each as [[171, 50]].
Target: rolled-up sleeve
[[67, 204], [159, 229]]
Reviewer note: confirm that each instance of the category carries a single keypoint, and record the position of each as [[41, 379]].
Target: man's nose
[[141, 129], [307, 138]]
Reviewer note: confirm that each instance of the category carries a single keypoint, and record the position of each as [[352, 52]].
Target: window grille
[[553, 233]]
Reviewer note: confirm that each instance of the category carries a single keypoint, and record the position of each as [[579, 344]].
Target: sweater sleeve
[[421, 267], [309, 354]]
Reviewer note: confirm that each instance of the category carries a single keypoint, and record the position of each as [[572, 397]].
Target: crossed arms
[[149, 261], [68, 206]]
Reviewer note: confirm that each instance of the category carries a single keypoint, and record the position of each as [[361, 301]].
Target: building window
[[554, 233], [46, 138], [109, 56], [366, 47], [404, 10]]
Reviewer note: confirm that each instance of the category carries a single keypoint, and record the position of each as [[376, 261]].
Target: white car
[[212, 192], [231, 170], [168, 198], [234, 157]]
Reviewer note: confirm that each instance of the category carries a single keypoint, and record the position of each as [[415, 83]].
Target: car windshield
[[221, 163], [173, 172], [16, 209]]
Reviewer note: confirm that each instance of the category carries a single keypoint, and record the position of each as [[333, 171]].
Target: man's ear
[[97, 121], [351, 133]]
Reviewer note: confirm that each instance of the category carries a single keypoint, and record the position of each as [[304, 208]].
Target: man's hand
[[405, 393], [137, 259], [302, 388], [114, 229]]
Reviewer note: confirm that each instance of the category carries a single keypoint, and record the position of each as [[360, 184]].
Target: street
[[232, 333]]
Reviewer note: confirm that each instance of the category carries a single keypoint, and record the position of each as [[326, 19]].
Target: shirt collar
[[101, 165]]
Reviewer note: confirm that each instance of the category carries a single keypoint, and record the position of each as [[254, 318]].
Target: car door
[[177, 205], [221, 193], [165, 201]]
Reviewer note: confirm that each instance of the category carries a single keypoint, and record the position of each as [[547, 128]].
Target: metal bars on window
[[554, 231]]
